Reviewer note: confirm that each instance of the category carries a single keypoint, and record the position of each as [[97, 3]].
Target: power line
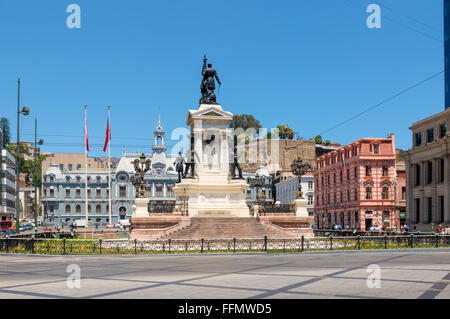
[[383, 102]]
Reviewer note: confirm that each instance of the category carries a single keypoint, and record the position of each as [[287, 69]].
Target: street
[[413, 273]]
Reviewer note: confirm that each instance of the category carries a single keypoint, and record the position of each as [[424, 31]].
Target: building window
[[89, 208], [310, 200], [67, 192], [61, 167], [98, 193], [67, 208], [98, 209], [78, 209], [376, 149], [417, 174], [368, 170], [98, 179], [429, 172], [417, 210], [122, 191], [78, 193], [310, 185], [418, 138], [52, 192], [78, 179], [67, 179], [356, 172], [385, 171], [70, 167], [348, 173], [78, 167], [385, 193], [443, 130], [441, 170], [430, 135], [403, 193], [368, 192]]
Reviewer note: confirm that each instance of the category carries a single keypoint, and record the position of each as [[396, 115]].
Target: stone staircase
[[227, 228]]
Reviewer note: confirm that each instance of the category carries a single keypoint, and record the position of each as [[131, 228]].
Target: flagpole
[[85, 164], [109, 166]]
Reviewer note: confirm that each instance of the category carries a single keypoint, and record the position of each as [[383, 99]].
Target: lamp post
[[36, 156], [298, 168], [25, 111], [141, 166], [257, 182]]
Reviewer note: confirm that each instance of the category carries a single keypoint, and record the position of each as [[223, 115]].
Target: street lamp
[[36, 156], [25, 111], [298, 168], [141, 166], [257, 182]]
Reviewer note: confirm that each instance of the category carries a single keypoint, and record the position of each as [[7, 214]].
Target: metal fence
[[113, 247]]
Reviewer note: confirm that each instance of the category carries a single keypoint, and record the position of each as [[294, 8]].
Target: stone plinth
[[296, 226], [301, 210], [140, 207]]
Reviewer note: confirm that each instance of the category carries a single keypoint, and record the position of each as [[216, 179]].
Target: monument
[[211, 190]]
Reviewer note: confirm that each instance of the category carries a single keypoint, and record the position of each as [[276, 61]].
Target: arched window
[[67, 179], [89, 179], [78, 179], [67, 208], [368, 192], [78, 209], [98, 209], [98, 179]]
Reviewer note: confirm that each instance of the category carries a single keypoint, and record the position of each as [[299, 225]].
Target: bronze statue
[[208, 83]]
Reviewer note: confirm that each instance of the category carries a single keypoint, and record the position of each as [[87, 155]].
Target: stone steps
[[228, 227]]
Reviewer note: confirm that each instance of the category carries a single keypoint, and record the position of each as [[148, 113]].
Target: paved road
[[404, 274]]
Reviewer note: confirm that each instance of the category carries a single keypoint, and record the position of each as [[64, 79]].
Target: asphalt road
[[403, 274]]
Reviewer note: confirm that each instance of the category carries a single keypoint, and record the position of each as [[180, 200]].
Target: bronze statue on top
[[208, 83]]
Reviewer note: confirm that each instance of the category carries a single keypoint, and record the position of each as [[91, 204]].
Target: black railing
[[113, 247]]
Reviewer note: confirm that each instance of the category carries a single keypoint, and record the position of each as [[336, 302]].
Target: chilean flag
[[108, 136], [86, 134]]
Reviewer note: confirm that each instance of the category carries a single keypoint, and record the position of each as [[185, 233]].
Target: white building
[[287, 186], [7, 187]]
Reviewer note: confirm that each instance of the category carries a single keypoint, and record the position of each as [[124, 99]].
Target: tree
[[4, 124], [318, 139], [245, 121], [285, 132], [27, 166]]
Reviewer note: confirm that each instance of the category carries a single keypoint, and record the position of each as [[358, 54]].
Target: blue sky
[[308, 64]]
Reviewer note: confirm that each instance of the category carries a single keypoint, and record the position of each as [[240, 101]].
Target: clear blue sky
[[308, 64]]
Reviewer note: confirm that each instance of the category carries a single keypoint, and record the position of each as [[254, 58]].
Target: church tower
[[159, 133]]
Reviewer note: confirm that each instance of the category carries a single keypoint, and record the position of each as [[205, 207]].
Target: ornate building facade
[[356, 186], [64, 190]]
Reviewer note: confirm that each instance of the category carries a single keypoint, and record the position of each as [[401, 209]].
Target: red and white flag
[[108, 136], [86, 136]]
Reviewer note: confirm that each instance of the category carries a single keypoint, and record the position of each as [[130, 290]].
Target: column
[[153, 190], [422, 193], [165, 190]]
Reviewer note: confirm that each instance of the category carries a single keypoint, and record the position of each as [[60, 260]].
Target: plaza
[[411, 274]]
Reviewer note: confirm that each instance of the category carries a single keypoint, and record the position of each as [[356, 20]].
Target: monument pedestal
[[140, 207], [212, 191]]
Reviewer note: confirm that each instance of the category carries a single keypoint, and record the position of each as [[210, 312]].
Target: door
[[368, 224]]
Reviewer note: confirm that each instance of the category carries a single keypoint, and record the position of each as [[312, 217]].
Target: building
[[286, 186], [356, 186], [64, 190], [428, 173], [7, 185], [74, 162], [265, 191]]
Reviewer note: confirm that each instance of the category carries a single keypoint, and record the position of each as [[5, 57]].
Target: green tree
[[27, 166], [4, 124], [245, 121], [285, 132], [318, 139]]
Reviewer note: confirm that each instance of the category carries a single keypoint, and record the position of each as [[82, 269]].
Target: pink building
[[358, 186]]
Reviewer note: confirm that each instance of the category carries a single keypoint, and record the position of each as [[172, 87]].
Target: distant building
[[286, 186], [7, 185], [265, 191], [428, 173], [64, 190], [356, 186]]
